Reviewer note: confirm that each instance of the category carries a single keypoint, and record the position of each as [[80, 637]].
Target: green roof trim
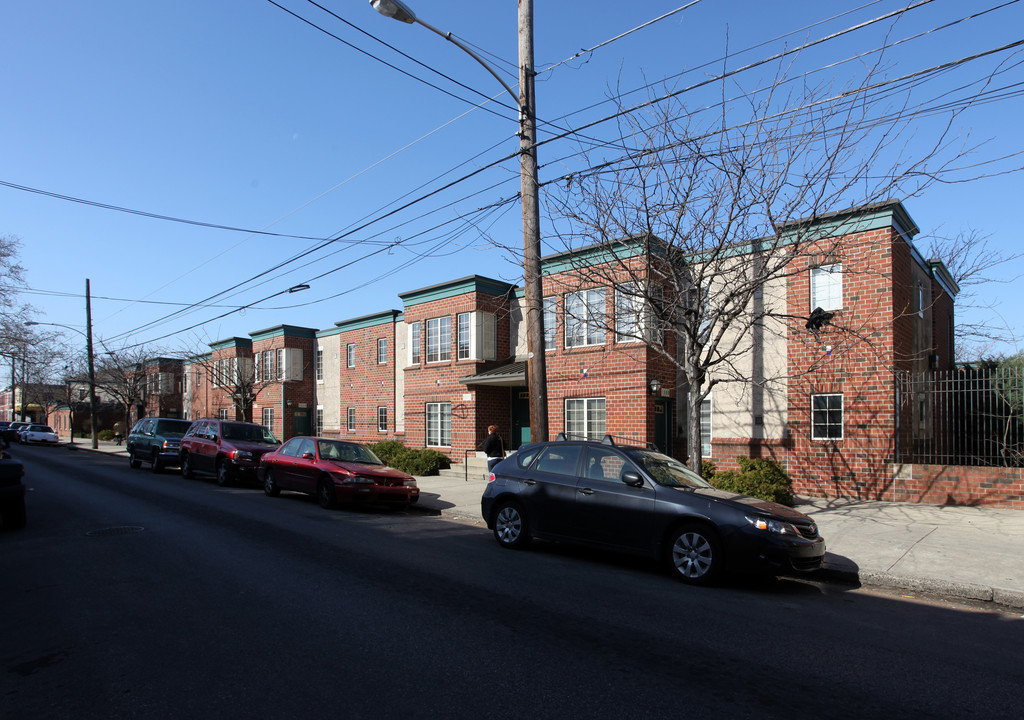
[[388, 317], [454, 288], [283, 330], [231, 342]]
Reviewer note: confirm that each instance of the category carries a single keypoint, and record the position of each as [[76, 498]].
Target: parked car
[[637, 500], [156, 440], [225, 449], [12, 493], [40, 434], [335, 471], [7, 433]]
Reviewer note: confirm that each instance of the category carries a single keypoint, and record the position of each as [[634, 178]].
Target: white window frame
[[319, 420], [319, 365], [464, 336], [707, 416], [827, 423], [382, 418], [350, 355], [439, 424], [629, 313], [586, 417], [267, 418], [382, 350], [827, 287], [439, 339], [550, 322], [350, 419], [415, 341], [584, 318]]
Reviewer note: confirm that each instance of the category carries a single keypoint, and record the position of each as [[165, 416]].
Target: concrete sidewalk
[[956, 551]]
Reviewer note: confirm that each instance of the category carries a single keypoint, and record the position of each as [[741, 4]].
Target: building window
[[319, 420], [350, 355], [382, 350], [382, 419], [414, 343], [439, 424], [629, 308], [464, 336], [267, 418], [585, 418], [439, 343], [920, 300], [550, 322], [584, 318], [827, 287], [827, 417], [351, 419], [319, 365], [706, 412], [222, 414]]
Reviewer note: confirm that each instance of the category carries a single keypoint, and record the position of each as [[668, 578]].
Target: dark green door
[[300, 423], [520, 434]]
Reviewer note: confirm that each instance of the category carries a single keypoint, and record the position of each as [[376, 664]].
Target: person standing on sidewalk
[[494, 448]]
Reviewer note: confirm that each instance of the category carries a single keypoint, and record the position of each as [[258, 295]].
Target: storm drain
[[119, 530]]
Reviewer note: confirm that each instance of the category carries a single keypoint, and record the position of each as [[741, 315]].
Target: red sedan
[[336, 472]]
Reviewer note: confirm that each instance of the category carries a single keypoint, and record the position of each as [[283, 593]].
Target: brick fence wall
[[958, 485]]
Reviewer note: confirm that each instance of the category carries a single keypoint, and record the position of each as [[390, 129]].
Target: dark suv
[[225, 449], [155, 440], [637, 500]]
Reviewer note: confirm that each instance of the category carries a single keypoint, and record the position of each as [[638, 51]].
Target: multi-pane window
[[827, 287], [550, 322], [267, 418], [584, 318], [319, 365], [382, 419], [280, 364], [222, 414], [414, 343], [827, 416], [382, 350], [319, 420], [439, 344], [585, 418], [464, 335], [351, 414], [629, 308], [439, 424], [706, 414], [350, 355]]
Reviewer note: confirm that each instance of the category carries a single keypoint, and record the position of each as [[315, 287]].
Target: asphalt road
[[140, 595]]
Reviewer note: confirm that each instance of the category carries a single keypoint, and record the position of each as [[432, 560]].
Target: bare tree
[[724, 212], [122, 375]]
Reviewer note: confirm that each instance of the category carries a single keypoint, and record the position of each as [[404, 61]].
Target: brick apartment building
[[452, 361]]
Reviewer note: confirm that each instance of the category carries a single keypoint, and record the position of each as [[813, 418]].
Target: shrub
[[104, 435], [411, 460], [707, 469], [761, 478]]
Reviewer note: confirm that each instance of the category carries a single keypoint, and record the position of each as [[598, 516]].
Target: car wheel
[[133, 462], [13, 514], [270, 488], [157, 465], [223, 472], [186, 467], [510, 528], [325, 494], [695, 555]]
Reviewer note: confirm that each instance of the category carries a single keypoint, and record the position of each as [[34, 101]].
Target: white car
[[43, 434]]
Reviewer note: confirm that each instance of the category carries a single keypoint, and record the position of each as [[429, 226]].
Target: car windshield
[[174, 428], [346, 452], [248, 433], [41, 428], [667, 471]]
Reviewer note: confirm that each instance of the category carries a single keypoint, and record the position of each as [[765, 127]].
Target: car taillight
[[490, 478]]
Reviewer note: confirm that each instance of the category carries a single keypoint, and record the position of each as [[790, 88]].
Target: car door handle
[[586, 491], [529, 481]]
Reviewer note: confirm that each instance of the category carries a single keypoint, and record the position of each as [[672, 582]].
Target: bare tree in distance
[[122, 375], [974, 263], [728, 209]]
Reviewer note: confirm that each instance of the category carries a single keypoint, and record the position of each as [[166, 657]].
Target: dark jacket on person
[[493, 446]]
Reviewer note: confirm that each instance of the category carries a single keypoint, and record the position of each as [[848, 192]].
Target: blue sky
[[237, 113]]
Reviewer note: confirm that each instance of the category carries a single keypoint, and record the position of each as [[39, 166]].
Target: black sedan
[[640, 501]]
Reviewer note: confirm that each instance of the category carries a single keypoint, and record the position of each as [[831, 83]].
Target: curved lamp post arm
[[401, 12]]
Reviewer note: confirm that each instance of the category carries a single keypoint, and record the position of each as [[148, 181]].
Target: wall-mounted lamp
[[655, 386]]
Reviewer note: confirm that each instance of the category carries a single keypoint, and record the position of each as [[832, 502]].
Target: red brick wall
[[957, 485], [369, 384], [300, 393]]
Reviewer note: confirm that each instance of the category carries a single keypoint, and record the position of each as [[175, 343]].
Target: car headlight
[[410, 483], [355, 479], [778, 527], [242, 455]]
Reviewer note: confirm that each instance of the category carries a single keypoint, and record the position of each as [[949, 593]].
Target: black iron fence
[[968, 416]]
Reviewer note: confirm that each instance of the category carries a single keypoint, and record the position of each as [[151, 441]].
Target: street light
[[536, 374], [92, 372]]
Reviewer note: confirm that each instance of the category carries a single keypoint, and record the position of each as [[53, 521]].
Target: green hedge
[[104, 435], [761, 478], [415, 461]]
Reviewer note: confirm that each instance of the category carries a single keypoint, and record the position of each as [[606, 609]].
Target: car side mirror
[[632, 479], [308, 456]]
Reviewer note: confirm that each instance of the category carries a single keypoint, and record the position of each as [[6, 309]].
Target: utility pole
[[92, 370], [536, 372]]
